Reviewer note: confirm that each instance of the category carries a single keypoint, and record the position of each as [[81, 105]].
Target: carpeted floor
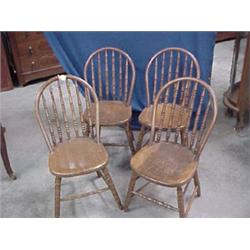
[[224, 166]]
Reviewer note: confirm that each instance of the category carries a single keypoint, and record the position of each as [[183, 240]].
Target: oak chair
[[111, 73], [165, 65], [74, 146], [166, 160]]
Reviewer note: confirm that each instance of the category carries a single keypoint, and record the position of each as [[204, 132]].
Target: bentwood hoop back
[[168, 159], [196, 98], [164, 66], [62, 101], [73, 142], [111, 73]]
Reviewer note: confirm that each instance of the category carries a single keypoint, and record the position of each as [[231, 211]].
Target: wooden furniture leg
[[130, 190], [130, 138], [236, 98], [180, 199], [197, 183], [58, 181], [244, 91], [140, 137], [98, 174], [184, 140], [5, 157], [108, 180]]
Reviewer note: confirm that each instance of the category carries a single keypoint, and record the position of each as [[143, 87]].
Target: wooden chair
[[165, 160], [165, 65], [111, 73], [75, 148]]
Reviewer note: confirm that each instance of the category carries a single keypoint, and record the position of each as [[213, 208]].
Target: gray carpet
[[224, 166]]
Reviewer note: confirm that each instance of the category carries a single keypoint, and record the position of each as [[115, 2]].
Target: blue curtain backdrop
[[73, 48]]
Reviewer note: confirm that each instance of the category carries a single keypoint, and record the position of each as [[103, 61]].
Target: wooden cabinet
[[33, 56], [224, 36], [6, 81]]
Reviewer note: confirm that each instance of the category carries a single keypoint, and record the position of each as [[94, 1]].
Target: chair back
[[166, 65], [111, 73], [61, 107], [190, 103]]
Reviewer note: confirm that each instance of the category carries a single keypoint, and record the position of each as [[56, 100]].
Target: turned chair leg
[[197, 183], [180, 199], [100, 131], [98, 174], [57, 196], [140, 137], [130, 137], [184, 141], [130, 190], [5, 157], [87, 129], [108, 180]]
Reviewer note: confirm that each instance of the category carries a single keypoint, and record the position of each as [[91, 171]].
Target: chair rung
[[115, 144], [78, 196], [142, 187], [157, 202]]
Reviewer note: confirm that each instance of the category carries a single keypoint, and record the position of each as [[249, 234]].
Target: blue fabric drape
[[73, 48]]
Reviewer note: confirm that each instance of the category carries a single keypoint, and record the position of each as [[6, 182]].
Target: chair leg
[[180, 199], [100, 131], [108, 180], [57, 196], [5, 157], [87, 129], [130, 190], [99, 174], [130, 137], [133, 137], [184, 141], [140, 137], [91, 131], [197, 183], [93, 134]]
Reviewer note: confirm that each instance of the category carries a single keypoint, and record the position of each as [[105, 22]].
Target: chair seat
[[164, 163], [111, 113], [77, 156], [180, 116]]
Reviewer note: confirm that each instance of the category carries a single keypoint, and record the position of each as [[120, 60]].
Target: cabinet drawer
[[48, 61], [34, 48], [28, 36], [34, 63], [29, 64]]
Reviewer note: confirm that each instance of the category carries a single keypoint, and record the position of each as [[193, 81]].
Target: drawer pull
[[32, 65], [30, 49]]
